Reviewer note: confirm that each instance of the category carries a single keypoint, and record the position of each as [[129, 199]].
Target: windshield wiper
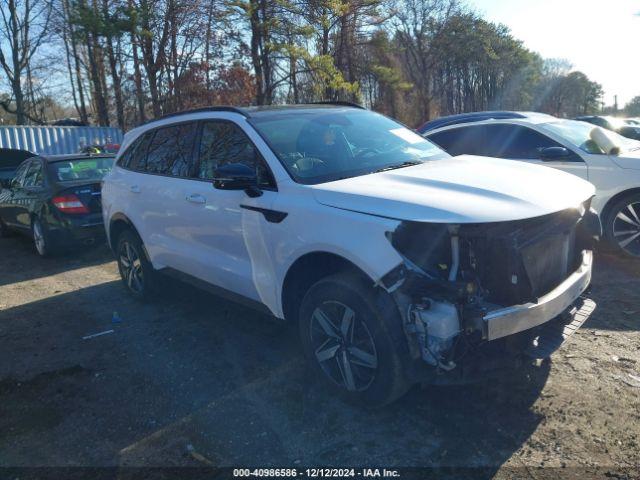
[[397, 165]]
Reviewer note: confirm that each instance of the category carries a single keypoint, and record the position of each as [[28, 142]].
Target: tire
[[136, 272], [622, 226], [358, 353], [41, 238], [4, 230]]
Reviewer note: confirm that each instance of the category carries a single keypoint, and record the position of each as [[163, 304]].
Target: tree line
[[123, 62]]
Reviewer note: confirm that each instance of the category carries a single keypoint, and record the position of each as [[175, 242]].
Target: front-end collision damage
[[454, 277]]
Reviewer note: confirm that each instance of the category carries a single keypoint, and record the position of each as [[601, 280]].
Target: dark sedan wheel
[[351, 342], [623, 226], [136, 272], [40, 235], [4, 230]]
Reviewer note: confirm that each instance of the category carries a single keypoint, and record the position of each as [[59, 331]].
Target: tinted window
[[224, 142], [19, 176], [515, 142], [134, 157], [461, 141], [33, 178], [170, 150], [500, 141]]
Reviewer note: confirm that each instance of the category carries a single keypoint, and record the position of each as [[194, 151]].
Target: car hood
[[630, 160], [465, 189]]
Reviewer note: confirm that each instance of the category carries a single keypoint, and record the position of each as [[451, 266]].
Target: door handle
[[196, 198], [134, 189]]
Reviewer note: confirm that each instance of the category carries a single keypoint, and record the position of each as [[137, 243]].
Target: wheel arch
[[606, 210], [307, 270], [119, 222]]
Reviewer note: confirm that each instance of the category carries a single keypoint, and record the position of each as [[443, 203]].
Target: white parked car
[[399, 263], [608, 160]]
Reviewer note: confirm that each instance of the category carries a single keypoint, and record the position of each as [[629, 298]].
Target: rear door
[[162, 209], [30, 193], [9, 196]]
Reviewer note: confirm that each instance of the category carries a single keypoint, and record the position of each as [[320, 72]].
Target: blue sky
[[600, 38]]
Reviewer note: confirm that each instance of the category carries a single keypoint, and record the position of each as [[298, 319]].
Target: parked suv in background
[[399, 263], [608, 160]]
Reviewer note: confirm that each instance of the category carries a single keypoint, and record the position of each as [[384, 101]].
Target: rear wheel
[[622, 227], [41, 239], [352, 343], [136, 271], [4, 230]]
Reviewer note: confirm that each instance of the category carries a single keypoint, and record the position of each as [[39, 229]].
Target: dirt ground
[[193, 380]]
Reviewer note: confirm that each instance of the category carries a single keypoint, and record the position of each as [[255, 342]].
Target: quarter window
[[170, 150], [223, 143]]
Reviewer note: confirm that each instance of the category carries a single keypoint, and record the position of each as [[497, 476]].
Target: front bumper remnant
[[507, 321]]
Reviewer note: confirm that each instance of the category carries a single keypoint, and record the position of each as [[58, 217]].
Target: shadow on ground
[[191, 372]]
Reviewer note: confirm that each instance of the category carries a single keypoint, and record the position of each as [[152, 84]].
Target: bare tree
[[24, 30]]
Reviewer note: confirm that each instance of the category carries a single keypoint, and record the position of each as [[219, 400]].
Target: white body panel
[[238, 249], [611, 175]]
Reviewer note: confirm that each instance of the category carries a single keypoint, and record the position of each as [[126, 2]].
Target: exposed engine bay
[[453, 275]]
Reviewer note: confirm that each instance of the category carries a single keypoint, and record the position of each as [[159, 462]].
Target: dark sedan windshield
[[90, 169], [321, 145]]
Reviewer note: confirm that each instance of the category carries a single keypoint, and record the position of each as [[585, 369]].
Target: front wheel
[[622, 227], [352, 342], [136, 272]]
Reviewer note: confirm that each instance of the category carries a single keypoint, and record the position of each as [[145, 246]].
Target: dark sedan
[[56, 200]]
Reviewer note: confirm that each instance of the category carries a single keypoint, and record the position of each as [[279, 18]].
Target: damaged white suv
[[399, 267]]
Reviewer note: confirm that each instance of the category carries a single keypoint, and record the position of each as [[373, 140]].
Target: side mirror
[[237, 176], [550, 154]]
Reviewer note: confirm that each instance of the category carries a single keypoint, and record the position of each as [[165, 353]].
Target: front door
[[224, 227]]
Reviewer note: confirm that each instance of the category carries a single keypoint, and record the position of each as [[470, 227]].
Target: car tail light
[[69, 204]]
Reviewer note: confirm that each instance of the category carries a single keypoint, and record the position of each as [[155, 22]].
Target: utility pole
[[615, 104]]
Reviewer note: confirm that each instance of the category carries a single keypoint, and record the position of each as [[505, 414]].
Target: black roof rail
[[342, 103]]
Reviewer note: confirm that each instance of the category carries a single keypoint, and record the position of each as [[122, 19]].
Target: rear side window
[[20, 172], [223, 143], [33, 178], [170, 150], [461, 141], [134, 157]]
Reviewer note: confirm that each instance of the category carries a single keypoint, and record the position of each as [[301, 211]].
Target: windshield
[[579, 134], [91, 169], [323, 145]]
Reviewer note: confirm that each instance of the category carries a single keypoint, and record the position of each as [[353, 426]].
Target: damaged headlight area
[[454, 276]]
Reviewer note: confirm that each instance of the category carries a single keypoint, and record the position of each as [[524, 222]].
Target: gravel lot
[[193, 380]]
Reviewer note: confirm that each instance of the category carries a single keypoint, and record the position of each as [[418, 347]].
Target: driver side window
[[222, 143]]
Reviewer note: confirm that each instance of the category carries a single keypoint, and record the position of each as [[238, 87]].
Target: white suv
[[399, 263]]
